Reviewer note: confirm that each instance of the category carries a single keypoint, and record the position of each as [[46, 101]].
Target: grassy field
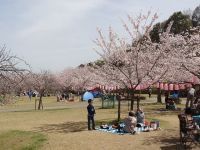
[[23, 140], [62, 126]]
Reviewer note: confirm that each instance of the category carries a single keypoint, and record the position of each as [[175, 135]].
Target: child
[[91, 112]]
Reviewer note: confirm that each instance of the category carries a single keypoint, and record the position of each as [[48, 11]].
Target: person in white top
[[130, 123], [190, 97]]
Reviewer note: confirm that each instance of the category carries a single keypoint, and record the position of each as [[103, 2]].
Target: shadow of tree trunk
[[168, 141], [66, 127]]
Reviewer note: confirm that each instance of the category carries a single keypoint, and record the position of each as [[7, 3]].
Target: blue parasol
[[87, 96]]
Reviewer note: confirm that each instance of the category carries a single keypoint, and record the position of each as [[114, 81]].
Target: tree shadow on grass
[[171, 143], [67, 127], [162, 111], [168, 141]]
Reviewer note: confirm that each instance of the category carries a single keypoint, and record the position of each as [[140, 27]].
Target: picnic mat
[[112, 130]]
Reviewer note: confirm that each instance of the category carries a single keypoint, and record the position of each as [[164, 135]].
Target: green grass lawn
[[63, 125], [21, 140]]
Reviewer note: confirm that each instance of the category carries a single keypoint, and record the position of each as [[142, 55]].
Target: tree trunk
[[40, 105], [4, 96], [128, 100], [119, 108], [132, 103], [138, 102], [58, 98], [159, 99], [132, 100]]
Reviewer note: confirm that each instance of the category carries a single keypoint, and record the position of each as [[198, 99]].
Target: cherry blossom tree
[[43, 83], [12, 71], [190, 53], [185, 59], [83, 78], [65, 79], [9, 87], [135, 60], [77, 79]]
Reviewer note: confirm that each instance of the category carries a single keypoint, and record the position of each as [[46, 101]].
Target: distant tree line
[[182, 22]]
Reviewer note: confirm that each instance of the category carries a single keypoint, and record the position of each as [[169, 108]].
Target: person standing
[[30, 94], [190, 97], [149, 92], [91, 112]]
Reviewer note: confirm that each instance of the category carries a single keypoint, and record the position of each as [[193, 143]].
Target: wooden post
[[128, 104], [42, 105], [35, 103], [119, 108], [128, 100], [114, 97], [102, 99]]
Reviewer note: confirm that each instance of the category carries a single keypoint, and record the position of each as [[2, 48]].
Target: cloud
[[48, 16], [53, 31], [53, 34]]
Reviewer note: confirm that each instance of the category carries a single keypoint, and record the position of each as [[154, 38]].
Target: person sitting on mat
[[130, 123]]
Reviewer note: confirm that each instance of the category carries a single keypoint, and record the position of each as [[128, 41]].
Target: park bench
[[188, 131]]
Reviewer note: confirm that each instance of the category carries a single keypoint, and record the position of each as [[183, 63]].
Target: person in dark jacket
[[91, 112]]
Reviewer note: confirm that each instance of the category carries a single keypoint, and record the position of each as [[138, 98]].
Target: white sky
[[56, 34]]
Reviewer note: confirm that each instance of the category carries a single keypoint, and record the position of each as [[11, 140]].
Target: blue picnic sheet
[[109, 129], [116, 131]]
